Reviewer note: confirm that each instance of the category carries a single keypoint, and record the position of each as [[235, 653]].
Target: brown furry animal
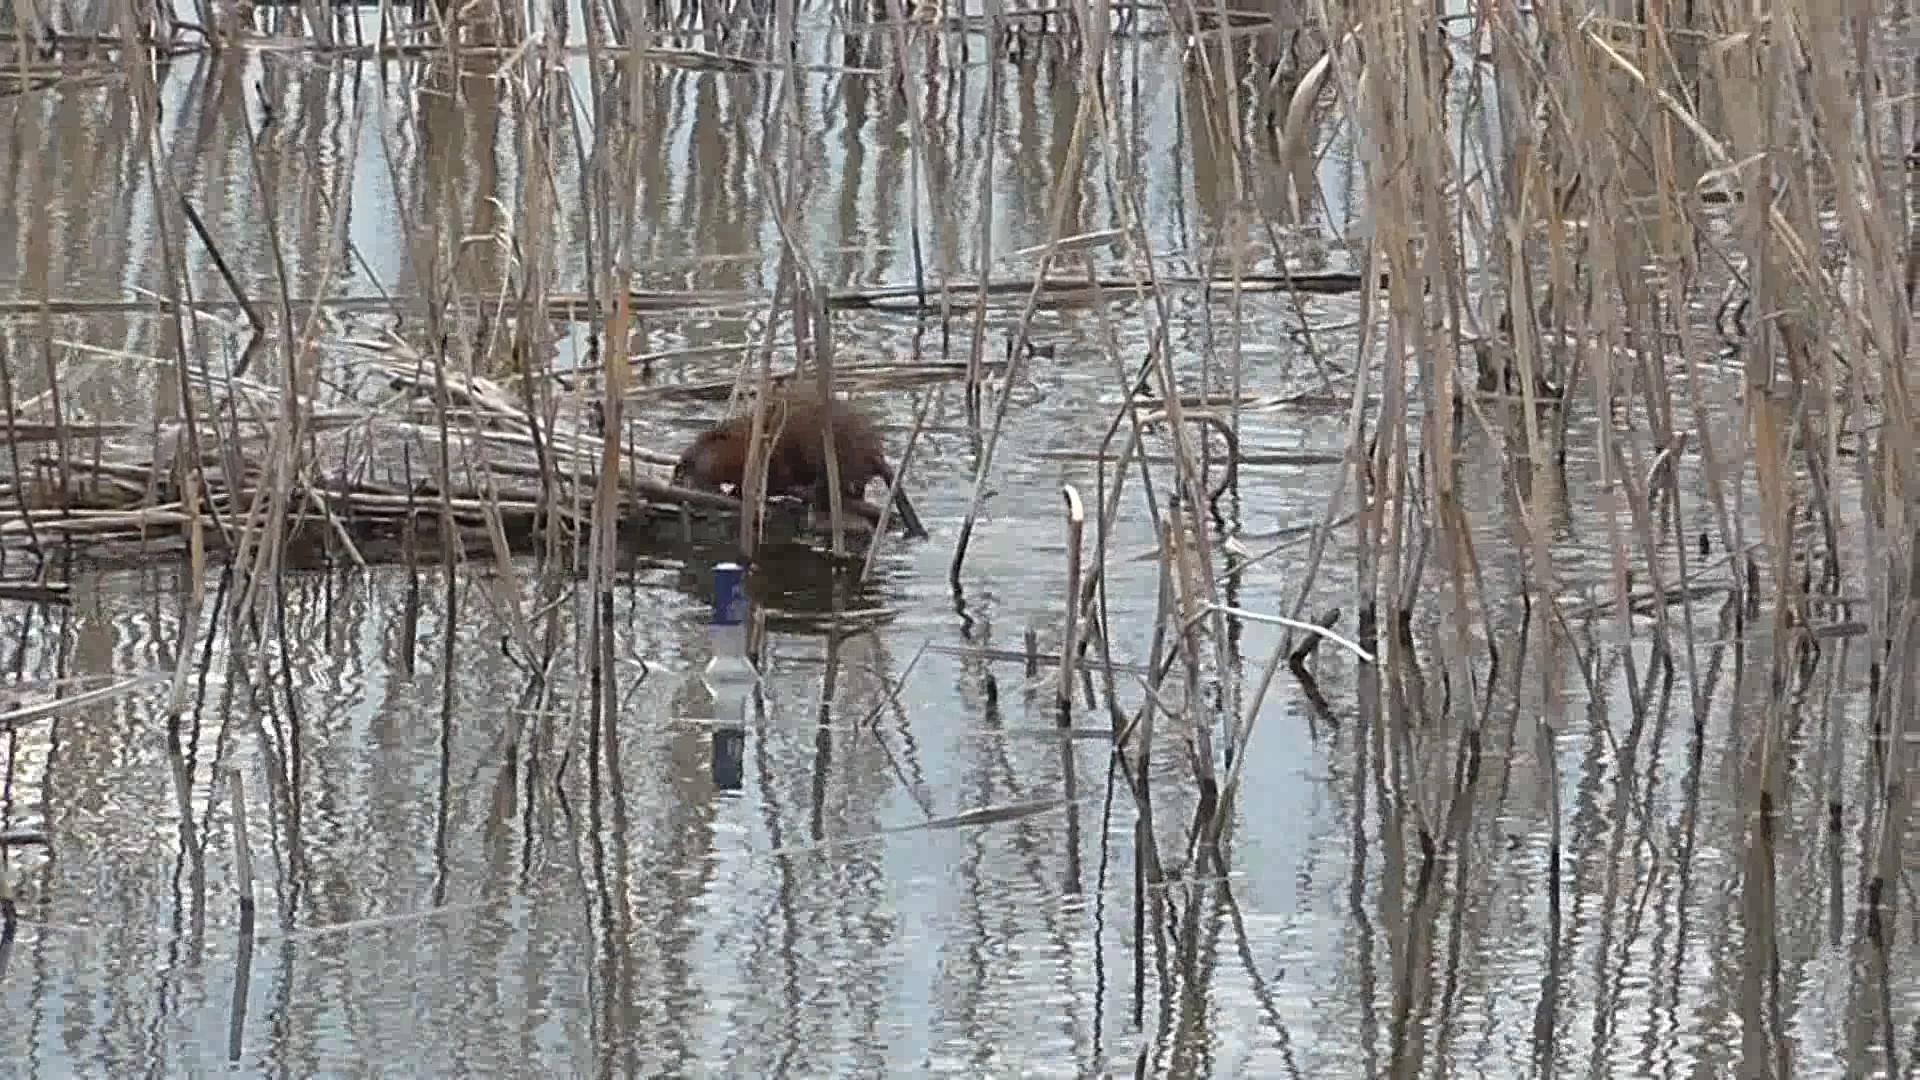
[[797, 462]]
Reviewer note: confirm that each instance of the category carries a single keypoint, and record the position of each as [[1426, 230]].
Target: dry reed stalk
[[879, 535], [172, 265], [614, 374], [1138, 736], [1438, 344], [1190, 570], [1237, 197], [917, 156], [537, 210], [1198, 592], [995, 60], [186, 376], [67, 703], [261, 555], [9, 910], [242, 851], [830, 449], [1873, 328], [38, 253], [1108, 502], [429, 310], [13, 446], [782, 190], [1392, 543], [1060, 199], [755, 374], [531, 416], [1322, 631], [1070, 633], [898, 299], [1673, 241]]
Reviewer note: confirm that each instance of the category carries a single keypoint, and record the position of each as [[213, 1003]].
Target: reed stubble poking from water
[[1542, 224]]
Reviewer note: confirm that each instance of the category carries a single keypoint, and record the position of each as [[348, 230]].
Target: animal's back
[[797, 461], [857, 444]]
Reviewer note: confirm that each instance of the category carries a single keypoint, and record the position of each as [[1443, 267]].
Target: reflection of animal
[[797, 462]]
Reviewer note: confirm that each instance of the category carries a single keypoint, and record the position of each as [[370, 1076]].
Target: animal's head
[[700, 462], [686, 471]]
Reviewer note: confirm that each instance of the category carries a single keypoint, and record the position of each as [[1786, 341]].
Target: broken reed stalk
[[262, 572], [1164, 615], [823, 382], [1198, 584], [1231, 132], [756, 372], [877, 539], [916, 152], [619, 270], [1056, 292], [977, 343], [1070, 635], [531, 246], [13, 448], [1108, 502], [1062, 197], [242, 853], [9, 911]]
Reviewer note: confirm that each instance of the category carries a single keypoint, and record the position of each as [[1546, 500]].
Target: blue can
[[729, 594]]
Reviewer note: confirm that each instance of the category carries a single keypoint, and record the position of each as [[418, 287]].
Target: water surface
[[458, 869]]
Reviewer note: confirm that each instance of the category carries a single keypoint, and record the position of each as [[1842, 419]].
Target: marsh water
[[917, 871]]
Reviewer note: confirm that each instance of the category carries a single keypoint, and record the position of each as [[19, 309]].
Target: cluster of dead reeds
[[1552, 195], [1550, 237]]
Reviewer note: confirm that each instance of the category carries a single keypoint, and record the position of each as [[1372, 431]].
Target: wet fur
[[797, 462]]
